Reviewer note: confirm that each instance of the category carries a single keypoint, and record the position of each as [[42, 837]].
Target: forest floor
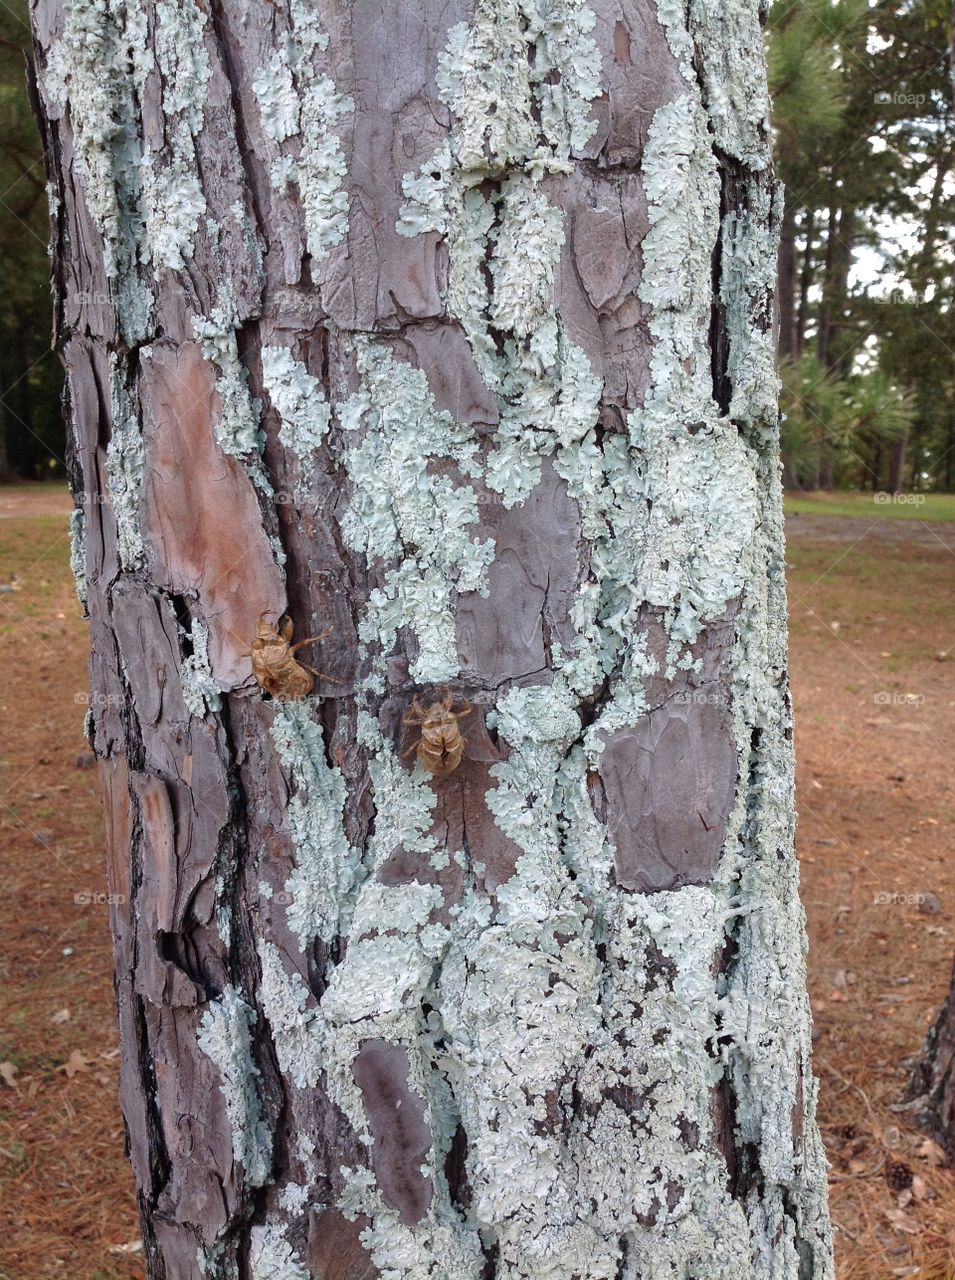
[[873, 669]]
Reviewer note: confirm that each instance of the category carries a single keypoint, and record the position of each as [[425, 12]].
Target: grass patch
[[933, 507]]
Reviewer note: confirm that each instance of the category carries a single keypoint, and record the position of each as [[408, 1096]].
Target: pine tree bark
[[445, 328], [931, 1094]]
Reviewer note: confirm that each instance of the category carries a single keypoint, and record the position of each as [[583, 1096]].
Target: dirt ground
[[873, 630]]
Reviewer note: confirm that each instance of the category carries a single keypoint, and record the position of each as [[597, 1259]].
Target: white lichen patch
[[271, 1257], [173, 199], [237, 427], [298, 399], [322, 167], [435, 1249], [326, 864], [279, 106], [749, 256], [146, 204], [225, 1037], [298, 1030], [521, 79], [78, 552], [125, 465], [653, 1076], [97, 68], [735, 93], [406, 514], [173, 204], [699, 475], [519, 1002], [297, 101], [199, 689]]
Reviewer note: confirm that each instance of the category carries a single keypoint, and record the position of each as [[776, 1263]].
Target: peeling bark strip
[[445, 326]]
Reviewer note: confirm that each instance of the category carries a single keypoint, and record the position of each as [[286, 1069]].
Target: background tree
[[446, 331], [863, 120], [31, 430]]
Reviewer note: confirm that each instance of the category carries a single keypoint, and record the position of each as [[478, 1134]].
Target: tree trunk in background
[[5, 471], [931, 1095], [805, 281], [875, 472], [788, 341], [445, 326], [826, 303], [897, 464]]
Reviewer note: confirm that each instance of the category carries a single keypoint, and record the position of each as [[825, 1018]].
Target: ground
[[873, 660]]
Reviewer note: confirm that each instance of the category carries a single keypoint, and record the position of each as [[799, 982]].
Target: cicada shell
[[441, 743], [274, 664]]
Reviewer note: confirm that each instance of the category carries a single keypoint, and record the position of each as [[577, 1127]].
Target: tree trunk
[[6, 472], [827, 301], [897, 463], [445, 329], [931, 1094], [788, 337], [806, 280], [875, 471]]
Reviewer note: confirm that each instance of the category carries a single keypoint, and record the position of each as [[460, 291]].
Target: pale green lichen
[[404, 514], [298, 399], [98, 68], [434, 1249], [731, 70], [322, 168], [293, 1198], [78, 552], [326, 864], [735, 93], [271, 1257], [225, 1037], [297, 101], [173, 199], [182, 57], [749, 258], [237, 427], [147, 206], [376, 993], [679, 498], [199, 689], [125, 466], [278, 102], [298, 1031], [521, 79], [173, 203]]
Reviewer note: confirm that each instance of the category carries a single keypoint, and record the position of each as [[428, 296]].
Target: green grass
[[865, 506]]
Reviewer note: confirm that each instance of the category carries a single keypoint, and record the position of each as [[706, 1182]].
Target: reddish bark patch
[[114, 780], [621, 43], [335, 1250], [201, 515]]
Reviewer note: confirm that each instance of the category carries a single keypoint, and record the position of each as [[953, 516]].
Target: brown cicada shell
[[274, 665], [441, 743]]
